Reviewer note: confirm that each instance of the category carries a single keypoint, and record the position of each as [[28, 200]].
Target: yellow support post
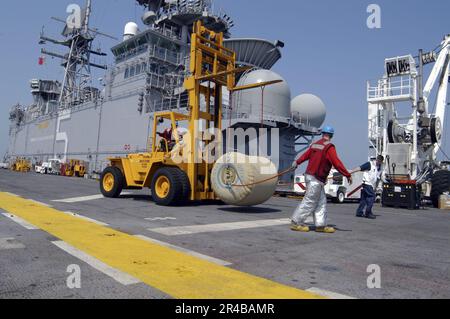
[[214, 64]]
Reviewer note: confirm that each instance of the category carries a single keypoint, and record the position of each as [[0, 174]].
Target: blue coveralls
[[367, 200]]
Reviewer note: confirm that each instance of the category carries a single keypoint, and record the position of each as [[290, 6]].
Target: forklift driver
[[167, 139]]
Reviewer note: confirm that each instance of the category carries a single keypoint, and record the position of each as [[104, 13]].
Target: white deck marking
[[160, 219], [11, 194], [40, 203], [196, 229], [79, 199], [20, 221], [328, 294], [86, 218], [10, 243], [117, 275], [187, 251], [82, 198]]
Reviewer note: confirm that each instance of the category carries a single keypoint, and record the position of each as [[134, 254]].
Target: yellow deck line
[[175, 273]]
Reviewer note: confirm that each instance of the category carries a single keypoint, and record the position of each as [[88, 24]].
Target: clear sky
[[329, 50]]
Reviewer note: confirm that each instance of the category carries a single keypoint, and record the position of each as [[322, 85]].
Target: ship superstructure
[[70, 118]]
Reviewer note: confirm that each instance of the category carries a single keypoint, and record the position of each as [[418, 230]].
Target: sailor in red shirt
[[168, 139], [322, 157]]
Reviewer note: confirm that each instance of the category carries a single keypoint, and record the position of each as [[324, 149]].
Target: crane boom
[[441, 101], [440, 68]]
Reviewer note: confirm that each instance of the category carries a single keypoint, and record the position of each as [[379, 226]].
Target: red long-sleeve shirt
[[320, 164], [167, 134]]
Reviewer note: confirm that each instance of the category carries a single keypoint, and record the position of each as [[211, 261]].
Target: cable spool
[[236, 179], [436, 130]]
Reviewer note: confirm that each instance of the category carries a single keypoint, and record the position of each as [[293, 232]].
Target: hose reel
[[436, 130], [431, 131], [396, 133]]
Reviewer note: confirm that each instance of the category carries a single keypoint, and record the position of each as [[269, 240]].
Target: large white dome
[[308, 109], [277, 97], [131, 29]]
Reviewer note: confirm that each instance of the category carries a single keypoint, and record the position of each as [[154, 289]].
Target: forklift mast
[[212, 66]]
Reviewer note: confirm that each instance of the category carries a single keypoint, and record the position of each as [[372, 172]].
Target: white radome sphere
[[309, 110], [277, 97], [131, 29]]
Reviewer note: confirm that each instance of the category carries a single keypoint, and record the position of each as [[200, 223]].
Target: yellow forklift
[[174, 182], [75, 168], [21, 165]]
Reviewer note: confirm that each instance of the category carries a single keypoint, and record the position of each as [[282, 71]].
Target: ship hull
[[91, 133], [95, 132]]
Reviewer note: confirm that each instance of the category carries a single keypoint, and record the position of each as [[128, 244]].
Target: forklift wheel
[[186, 187], [167, 187], [111, 182]]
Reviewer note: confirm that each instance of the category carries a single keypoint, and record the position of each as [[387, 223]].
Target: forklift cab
[[164, 145]]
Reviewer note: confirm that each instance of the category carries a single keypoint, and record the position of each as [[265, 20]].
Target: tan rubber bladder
[[236, 179]]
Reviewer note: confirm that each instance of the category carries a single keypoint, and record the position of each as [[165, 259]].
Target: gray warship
[[69, 118]]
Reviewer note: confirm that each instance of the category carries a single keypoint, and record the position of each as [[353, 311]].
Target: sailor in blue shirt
[[372, 174]]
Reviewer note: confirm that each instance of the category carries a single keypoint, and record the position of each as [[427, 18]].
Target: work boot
[[371, 216], [327, 230], [360, 215], [300, 228]]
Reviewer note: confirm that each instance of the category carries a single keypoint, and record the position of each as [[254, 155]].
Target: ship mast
[[88, 15], [76, 87]]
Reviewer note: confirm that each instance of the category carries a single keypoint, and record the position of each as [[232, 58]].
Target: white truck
[[4, 165], [337, 188], [300, 185], [38, 168], [52, 167]]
